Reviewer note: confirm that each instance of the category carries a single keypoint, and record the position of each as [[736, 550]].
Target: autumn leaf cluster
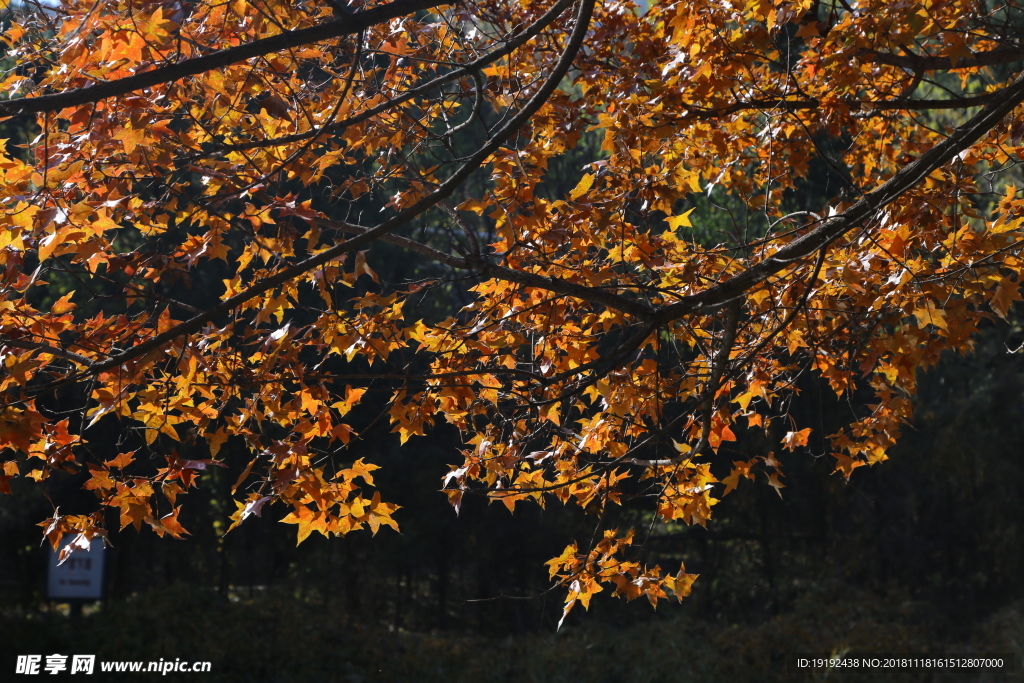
[[613, 348]]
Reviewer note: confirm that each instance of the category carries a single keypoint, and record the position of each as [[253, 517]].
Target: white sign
[[81, 575]]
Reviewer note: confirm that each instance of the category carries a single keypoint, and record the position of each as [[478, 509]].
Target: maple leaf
[[168, 524], [1006, 292], [720, 432], [680, 221], [99, 479], [775, 482], [134, 510], [121, 461], [10, 470], [682, 583], [308, 521], [275, 106], [808, 29], [929, 314], [53, 529], [131, 138], [846, 464], [359, 469], [455, 499], [380, 513], [739, 469], [171, 490], [352, 397], [362, 268], [80, 542], [19, 428], [582, 187], [63, 305], [794, 440]]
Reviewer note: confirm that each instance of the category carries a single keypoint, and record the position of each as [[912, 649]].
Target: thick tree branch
[[962, 138], [46, 348], [781, 104], [347, 25], [913, 62], [593, 295]]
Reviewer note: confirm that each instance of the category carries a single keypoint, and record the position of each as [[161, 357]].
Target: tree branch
[[594, 295], [781, 104], [913, 62], [398, 240], [46, 348], [353, 23], [962, 138]]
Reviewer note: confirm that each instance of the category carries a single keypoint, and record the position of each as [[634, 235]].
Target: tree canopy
[[279, 223]]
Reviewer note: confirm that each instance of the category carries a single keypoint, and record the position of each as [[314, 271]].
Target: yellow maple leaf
[[792, 440], [930, 314], [680, 221], [582, 187]]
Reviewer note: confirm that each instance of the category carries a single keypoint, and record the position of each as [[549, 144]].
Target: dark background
[[922, 553]]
